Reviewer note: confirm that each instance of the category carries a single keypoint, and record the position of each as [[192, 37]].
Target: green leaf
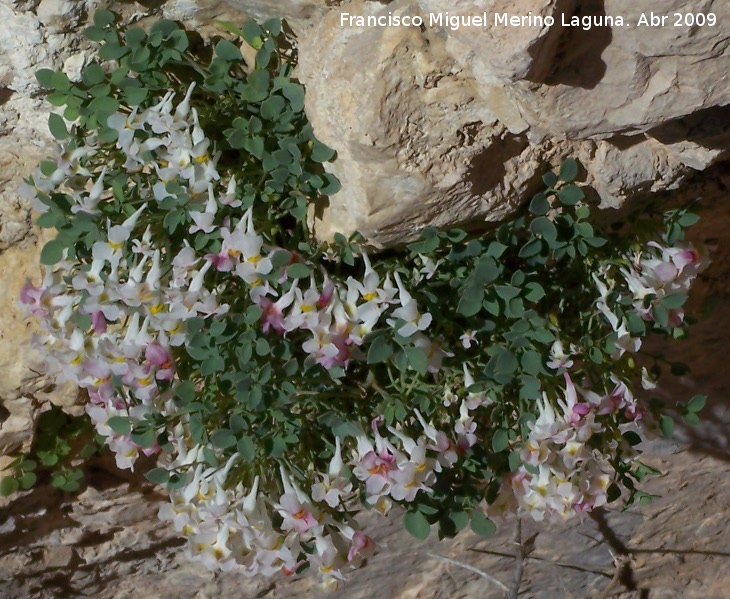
[[273, 26], [45, 77], [674, 300], [57, 126], [482, 525], [380, 350], [227, 51], [544, 227], [257, 87], [507, 292], [158, 476], [135, 95], [416, 524], [688, 219], [471, 301], [568, 170], [8, 486], [246, 448], [321, 152], [211, 365], [500, 440], [104, 17], [223, 438], [417, 359], [93, 75], [27, 480], [570, 195], [47, 458], [460, 520], [485, 271], [535, 292], [295, 94], [697, 403], [272, 107], [661, 315], [539, 204], [252, 33], [550, 179], [332, 185], [262, 347], [120, 425], [298, 270], [691, 418], [145, 437], [666, 425], [52, 252], [635, 324], [531, 248], [531, 362]]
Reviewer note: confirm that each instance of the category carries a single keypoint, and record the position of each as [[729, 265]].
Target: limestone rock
[[448, 126]]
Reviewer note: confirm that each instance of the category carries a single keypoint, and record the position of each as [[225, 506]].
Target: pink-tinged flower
[[558, 357], [361, 546], [296, 516], [273, 312], [573, 411], [98, 322], [162, 358], [467, 338], [35, 299], [328, 290]]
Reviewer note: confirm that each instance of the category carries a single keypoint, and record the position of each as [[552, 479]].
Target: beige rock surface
[[446, 127]]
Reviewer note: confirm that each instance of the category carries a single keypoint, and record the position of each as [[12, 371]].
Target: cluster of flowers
[[650, 275], [137, 298], [561, 475], [233, 528], [113, 325]]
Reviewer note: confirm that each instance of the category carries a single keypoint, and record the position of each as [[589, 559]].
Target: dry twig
[[620, 562], [484, 575]]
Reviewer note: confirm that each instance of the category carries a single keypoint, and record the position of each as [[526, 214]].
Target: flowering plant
[[286, 383]]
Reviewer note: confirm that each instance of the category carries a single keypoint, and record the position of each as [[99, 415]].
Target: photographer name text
[[503, 19]]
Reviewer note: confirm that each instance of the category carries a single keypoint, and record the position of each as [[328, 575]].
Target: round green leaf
[[120, 425], [321, 152], [416, 524], [500, 440], [8, 486], [568, 170], [227, 51], [45, 77], [545, 228], [697, 403], [666, 424], [57, 126], [223, 438], [246, 448], [380, 350], [482, 525], [158, 476], [52, 252], [570, 195], [297, 270]]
